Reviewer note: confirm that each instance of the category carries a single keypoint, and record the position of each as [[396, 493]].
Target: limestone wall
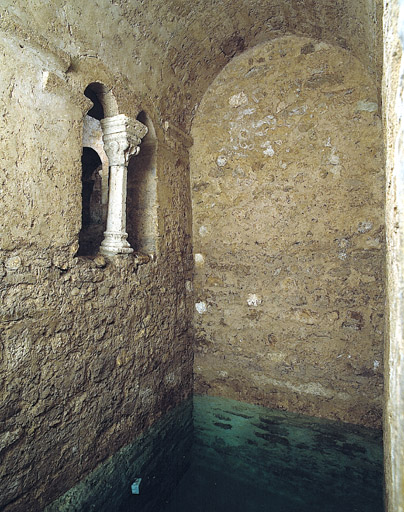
[[393, 95], [92, 351], [288, 193], [173, 50]]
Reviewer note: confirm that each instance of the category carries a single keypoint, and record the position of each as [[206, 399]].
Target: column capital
[[122, 136]]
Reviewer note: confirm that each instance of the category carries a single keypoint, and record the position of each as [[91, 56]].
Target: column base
[[114, 244]]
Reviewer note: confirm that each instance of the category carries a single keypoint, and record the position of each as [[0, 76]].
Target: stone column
[[122, 137]]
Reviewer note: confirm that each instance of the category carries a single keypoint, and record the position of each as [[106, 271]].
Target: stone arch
[[142, 193], [99, 92]]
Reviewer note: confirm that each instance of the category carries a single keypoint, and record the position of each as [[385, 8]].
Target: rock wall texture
[[288, 195], [393, 101], [173, 49], [92, 351]]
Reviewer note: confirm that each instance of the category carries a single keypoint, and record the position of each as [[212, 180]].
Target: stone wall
[[393, 101], [288, 195], [92, 350], [173, 50]]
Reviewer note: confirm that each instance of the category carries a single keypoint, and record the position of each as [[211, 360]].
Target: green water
[[250, 459], [218, 455]]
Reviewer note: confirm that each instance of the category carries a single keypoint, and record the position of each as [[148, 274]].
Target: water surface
[[247, 458], [219, 455]]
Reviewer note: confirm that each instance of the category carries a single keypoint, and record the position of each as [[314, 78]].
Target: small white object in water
[[135, 487]]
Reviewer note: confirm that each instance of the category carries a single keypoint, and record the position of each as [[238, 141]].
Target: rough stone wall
[[65, 322], [174, 49], [141, 218], [393, 101], [288, 195], [92, 351]]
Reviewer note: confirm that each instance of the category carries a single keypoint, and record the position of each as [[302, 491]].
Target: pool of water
[[219, 455], [250, 459]]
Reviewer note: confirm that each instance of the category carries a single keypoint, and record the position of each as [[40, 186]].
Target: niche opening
[[95, 170], [97, 110], [141, 207], [92, 215]]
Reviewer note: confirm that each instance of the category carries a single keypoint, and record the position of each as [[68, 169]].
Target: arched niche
[[141, 210], [95, 177]]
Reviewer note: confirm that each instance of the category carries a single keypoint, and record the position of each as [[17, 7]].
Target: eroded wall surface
[[393, 100], [288, 194], [173, 49], [92, 351]]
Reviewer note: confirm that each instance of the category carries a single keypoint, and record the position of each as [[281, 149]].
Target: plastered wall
[[288, 228], [394, 366], [174, 49], [92, 351]]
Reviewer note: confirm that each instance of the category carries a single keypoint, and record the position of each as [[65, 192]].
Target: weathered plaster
[[91, 351], [174, 49], [288, 195], [393, 92]]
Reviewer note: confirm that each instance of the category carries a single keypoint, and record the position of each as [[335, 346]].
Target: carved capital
[[121, 136]]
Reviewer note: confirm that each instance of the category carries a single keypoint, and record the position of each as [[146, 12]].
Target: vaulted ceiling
[[175, 48]]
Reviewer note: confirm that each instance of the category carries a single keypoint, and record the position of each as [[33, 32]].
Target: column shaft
[[121, 139]]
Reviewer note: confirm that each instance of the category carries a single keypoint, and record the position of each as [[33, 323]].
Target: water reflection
[[160, 458]]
